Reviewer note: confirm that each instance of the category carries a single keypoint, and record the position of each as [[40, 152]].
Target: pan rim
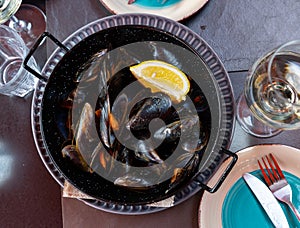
[[156, 22]]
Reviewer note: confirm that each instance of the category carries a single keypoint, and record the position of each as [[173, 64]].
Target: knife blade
[[267, 200]]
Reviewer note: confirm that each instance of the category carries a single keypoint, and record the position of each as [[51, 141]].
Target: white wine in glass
[[272, 93], [8, 8], [28, 20], [276, 103]]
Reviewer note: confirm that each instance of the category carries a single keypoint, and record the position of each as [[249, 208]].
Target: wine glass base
[[30, 24], [250, 124]]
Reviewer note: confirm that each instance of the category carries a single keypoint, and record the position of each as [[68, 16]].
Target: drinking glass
[[14, 79], [28, 20], [270, 102]]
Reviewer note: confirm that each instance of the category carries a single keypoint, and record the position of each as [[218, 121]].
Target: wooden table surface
[[239, 32]]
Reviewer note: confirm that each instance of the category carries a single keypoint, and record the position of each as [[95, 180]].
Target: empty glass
[[14, 79]]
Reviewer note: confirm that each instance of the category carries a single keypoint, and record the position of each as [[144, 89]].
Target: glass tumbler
[[14, 79]]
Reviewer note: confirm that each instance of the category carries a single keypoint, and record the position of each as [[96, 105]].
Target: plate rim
[[168, 11], [244, 153]]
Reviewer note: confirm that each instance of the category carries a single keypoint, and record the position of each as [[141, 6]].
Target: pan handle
[[33, 49], [224, 175]]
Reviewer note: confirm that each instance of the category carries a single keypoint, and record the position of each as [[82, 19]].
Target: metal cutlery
[[277, 182], [267, 200]]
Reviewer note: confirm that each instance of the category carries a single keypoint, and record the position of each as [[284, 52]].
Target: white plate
[[210, 209], [177, 12]]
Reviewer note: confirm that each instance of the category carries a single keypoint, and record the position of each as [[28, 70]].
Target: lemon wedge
[[163, 77]]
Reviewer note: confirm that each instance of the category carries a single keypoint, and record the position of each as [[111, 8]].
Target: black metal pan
[[60, 77]]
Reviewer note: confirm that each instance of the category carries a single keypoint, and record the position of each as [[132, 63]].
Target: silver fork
[[277, 182]]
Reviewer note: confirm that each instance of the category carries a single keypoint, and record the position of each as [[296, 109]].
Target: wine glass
[[270, 102], [28, 20]]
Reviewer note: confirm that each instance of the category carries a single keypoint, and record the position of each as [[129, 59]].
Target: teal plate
[[249, 213], [148, 3]]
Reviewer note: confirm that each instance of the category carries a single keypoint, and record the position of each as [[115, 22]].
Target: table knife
[[267, 200]]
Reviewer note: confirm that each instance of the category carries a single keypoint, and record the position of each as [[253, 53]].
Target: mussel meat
[[182, 173], [71, 152], [145, 152], [188, 129]]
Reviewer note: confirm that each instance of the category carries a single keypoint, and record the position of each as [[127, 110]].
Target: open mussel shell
[[53, 99]]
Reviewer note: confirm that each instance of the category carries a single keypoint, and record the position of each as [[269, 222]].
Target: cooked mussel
[[180, 174], [72, 153], [157, 106]]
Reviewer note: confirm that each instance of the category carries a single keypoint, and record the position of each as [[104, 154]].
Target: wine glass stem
[[19, 25]]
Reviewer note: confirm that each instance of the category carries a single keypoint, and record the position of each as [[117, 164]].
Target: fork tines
[[274, 173], [277, 182]]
